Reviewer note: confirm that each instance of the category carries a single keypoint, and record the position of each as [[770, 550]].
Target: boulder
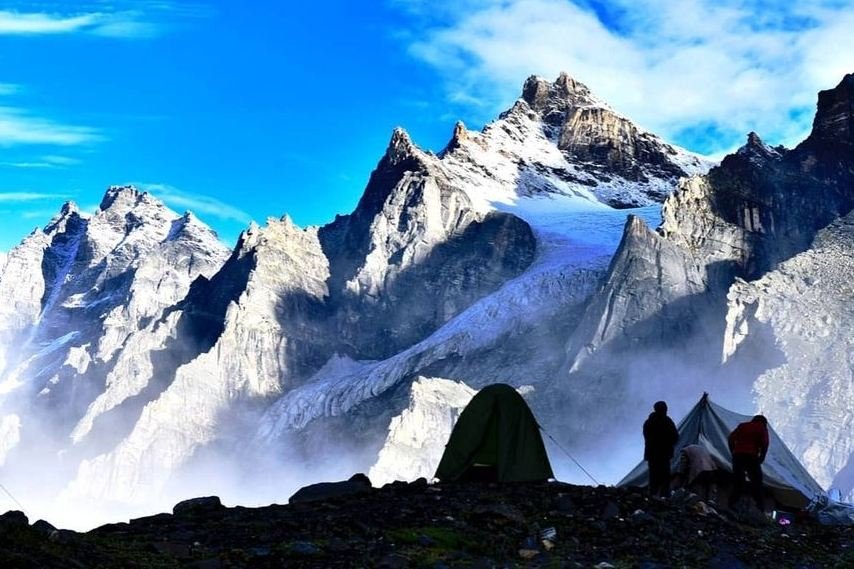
[[357, 484], [196, 506]]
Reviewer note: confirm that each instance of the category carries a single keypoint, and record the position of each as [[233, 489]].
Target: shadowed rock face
[[413, 254], [803, 308], [834, 121]]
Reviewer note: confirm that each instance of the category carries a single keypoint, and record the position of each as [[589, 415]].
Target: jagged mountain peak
[[190, 227], [125, 194], [757, 151], [402, 159], [563, 93], [68, 208], [400, 147], [276, 229], [459, 136], [69, 211]]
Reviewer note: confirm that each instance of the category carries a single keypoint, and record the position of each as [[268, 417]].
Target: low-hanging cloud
[[700, 73]]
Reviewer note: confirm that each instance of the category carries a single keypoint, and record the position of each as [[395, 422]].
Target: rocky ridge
[[453, 525], [293, 299]]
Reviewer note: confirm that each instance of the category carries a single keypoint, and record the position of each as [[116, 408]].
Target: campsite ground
[[455, 525]]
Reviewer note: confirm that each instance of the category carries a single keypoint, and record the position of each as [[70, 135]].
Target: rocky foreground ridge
[[439, 526]]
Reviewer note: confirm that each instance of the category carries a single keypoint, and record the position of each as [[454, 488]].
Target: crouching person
[[698, 472]]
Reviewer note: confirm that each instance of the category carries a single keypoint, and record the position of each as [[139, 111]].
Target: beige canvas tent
[[787, 482]]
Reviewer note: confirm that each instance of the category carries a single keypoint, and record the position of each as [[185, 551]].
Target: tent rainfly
[[785, 478], [496, 438]]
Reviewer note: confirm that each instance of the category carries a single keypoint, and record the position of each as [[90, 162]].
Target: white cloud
[[197, 203], [122, 19], [17, 23], [702, 72], [18, 126], [17, 197], [60, 161], [50, 161]]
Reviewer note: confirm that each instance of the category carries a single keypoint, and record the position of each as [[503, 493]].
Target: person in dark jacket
[[748, 444], [659, 436]]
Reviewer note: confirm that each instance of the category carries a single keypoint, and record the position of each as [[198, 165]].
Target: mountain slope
[[409, 258], [659, 323], [805, 304], [85, 290]]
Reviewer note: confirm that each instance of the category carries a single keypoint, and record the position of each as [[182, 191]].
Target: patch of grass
[[443, 543], [443, 538]]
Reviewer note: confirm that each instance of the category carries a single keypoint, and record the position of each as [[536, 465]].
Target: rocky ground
[[452, 525]]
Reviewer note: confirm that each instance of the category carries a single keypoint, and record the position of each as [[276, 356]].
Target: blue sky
[[244, 110]]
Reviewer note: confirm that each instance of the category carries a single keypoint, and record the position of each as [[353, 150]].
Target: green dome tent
[[786, 480], [497, 438]]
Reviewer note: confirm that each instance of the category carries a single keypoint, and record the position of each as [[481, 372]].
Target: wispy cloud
[[43, 162], [197, 203], [17, 23], [122, 19], [702, 72], [18, 126], [21, 197], [9, 89]]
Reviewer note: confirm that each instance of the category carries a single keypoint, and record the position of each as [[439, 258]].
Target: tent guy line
[[572, 458], [20, 505]]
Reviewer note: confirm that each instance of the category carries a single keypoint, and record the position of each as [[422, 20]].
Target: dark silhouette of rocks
[[436, 526]]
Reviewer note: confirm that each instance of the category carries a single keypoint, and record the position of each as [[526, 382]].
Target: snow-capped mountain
[[735, 245], [558, 139], [143, 346], [86, 299], [139, 360]]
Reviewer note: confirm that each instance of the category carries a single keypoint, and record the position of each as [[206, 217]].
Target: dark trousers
[[746, 464], [659, 476]]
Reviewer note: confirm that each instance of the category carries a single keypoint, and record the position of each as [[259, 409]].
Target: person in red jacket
[[748, 444], [659, 436]]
